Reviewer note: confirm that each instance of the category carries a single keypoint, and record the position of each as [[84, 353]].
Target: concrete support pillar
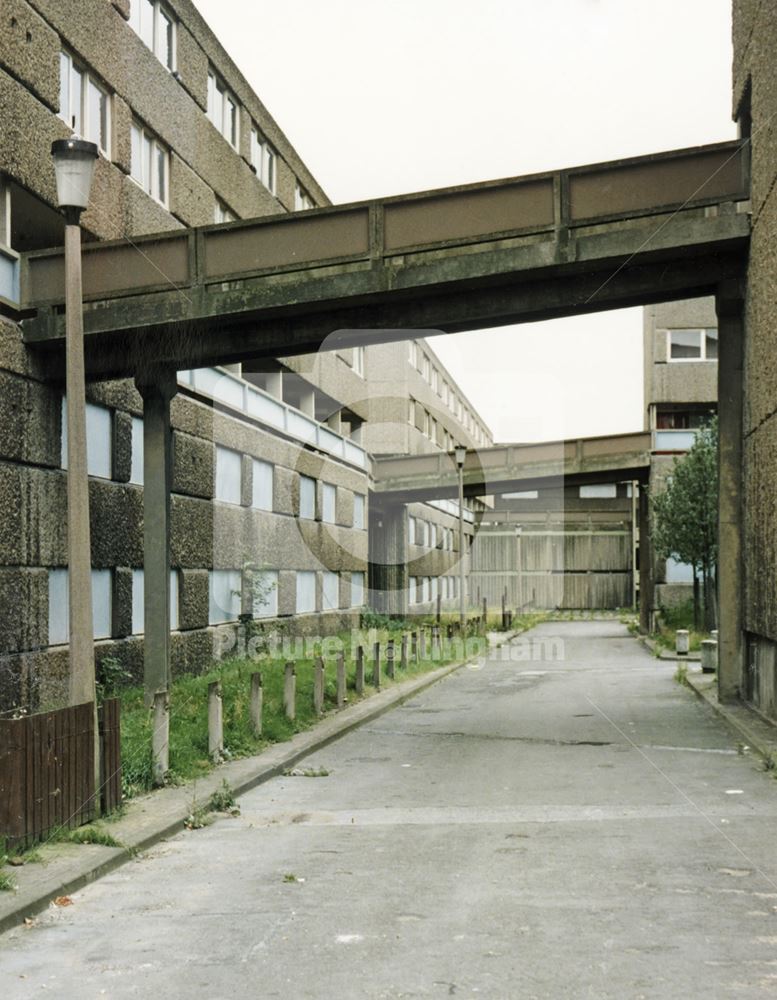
[[274, 382], [334, 422], [157, 390], [307, 402], [645, 563], [730, 309]]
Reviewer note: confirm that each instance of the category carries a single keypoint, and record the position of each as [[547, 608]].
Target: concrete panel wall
[[755, 96]]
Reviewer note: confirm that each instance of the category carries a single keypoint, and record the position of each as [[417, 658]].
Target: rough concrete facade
[[754, 101]]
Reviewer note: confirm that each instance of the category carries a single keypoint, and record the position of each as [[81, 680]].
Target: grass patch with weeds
[[7, 884]]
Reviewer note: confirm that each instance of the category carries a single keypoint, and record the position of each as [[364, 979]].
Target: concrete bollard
[[439, 608], [485, 613], [215, 722], [709, 656], [403, 652], [376, 667], [422, 645], [681, 641], [257, 697], [318, 686], [359, 680], [340, 680], [414, 646], [436, 642], [290, 691], [390, 659]]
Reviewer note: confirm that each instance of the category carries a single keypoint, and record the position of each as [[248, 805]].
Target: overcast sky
[[382, 97]]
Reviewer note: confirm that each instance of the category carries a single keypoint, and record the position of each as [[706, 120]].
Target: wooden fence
[[46, 768]]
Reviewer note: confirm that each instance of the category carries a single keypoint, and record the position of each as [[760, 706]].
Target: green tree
[[684, 518]]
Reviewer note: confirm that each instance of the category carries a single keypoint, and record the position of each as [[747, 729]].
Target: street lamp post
[[461, 454], [74, 161]]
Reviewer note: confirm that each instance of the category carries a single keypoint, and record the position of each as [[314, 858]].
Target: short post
[[318, 686], [290, 691], [414, 646], [403, 652], [257, 697], [709, 656], [390, 659], [422, 644], [435, 642], [215, 722], [359, 680], [485, 613], [681, 642], [450, 630], [340, 680], [504, 612], [439, 607], [376, 667], [160, 738]]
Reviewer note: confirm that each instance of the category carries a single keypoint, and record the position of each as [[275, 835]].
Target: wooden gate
[[46, 768]]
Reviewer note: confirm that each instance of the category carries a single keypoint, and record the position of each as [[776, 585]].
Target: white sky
[[382, 97]]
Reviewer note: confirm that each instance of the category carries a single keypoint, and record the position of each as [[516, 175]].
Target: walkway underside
[[612, 235], [504, 468]]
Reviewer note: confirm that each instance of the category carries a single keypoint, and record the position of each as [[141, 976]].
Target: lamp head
[[74, 161], [461, 454]]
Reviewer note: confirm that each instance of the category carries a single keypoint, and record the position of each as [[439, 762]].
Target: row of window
[[85, 106], [428, 534], [225, 587], [692, 345], [421, 361], [430, 426], [594, 491], [228, 485], [423, 589]]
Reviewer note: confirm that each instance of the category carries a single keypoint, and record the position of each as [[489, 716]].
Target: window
[[263, 160], [306, 591], [136, 467], [307, 497], [59, 605], [426, 368], [149, 163], [413, 353], [603, 491], [412, 591], [83, 104], [411, 411], [426, 589], [228, 475], [693, 345], [99, 432], [357, 360], [328, 503], [521, 495], [265, 594], [222, 109], [358, 511], [262, 487], [302, 199], [433, 536], [222, 213], [357, 590], [330, 591], [225, 588], [155, 25], [411, 530], [138, 598]]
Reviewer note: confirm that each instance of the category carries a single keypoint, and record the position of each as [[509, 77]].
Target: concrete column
[[645, 563], [307, 402], [334, 422], [274, 383], [157, 390], [730, 309]]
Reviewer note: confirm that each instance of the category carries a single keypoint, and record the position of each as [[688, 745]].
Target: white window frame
[[702, 333], [357, 360], [264, 160], [160, 11], [138, 169], [359, 512], [222, 213], [330, 590], [303, 580], [267, 608], [304, 493], [357, 589], [328, 503], [260, 486], [302, 200], [99, 440], [225, 489], [232, 580], [220, 97], [83, 124], [59, 605]]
